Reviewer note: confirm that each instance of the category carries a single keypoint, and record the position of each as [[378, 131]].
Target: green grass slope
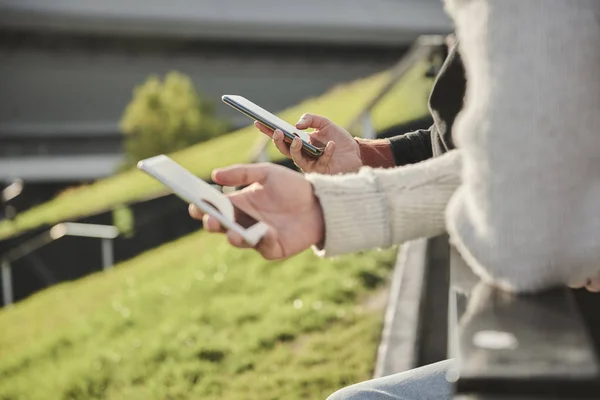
[[197, 319], [342, 104]]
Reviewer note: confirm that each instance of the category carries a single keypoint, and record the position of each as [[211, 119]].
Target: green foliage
[[124, 220], [166, 116], [198, 319]]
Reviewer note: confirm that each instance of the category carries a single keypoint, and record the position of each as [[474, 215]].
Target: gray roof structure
[[334, 21]]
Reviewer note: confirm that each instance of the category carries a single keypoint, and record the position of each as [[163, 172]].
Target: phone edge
[[313, 150]]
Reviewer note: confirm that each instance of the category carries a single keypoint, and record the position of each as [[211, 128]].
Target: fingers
[[593, 284], [298, 157], [312, 121], [280, 144], [577, 285], [195, 212], [264, 129], [235, 239], [269, 246], [209, 223], [323, 161], [241, 174]]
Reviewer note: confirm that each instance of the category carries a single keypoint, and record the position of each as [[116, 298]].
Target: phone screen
[[272, 121], [242, 219]]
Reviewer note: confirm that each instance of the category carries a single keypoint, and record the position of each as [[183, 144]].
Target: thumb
[[312, 121], [242, 174], [323, 161]]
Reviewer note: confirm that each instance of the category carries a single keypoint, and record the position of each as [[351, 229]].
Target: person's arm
[[382, 207], [345, 213], [409, 148], [375, 153], [412, 147], [346, 153]]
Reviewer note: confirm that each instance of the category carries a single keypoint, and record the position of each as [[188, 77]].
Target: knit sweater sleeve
[[381, 207]]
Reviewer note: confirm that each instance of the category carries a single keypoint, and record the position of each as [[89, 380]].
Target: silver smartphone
[[311, 147], [207, 198]]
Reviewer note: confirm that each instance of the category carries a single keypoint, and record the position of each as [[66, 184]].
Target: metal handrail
[[106, 233], [424, 47], [526, 346]]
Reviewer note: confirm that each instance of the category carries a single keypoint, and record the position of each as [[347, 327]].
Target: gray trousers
[[424, 383]]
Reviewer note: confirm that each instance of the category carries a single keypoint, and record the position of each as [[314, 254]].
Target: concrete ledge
[[399, 347]]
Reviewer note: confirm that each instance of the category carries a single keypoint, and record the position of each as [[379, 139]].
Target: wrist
[[375, 153]]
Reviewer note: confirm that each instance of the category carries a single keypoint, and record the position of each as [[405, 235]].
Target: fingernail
[[300, 120], [276, 134], [296, 142]]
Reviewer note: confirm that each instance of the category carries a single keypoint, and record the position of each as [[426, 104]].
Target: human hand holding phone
[[312, 148], [204, 197], [279, 197], [341, 155]]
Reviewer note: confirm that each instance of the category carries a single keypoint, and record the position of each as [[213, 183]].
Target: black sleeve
[[412, 147]]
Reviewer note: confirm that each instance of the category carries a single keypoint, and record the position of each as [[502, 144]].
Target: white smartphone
[[311, 147], [207, 198]]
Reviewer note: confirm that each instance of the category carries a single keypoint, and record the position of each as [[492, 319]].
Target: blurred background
[[87, 88]]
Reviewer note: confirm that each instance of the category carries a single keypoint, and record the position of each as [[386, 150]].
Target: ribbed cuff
[[355, 212]]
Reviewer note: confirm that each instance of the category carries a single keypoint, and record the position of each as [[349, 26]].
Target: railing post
[[107, 253], [368, 131], [260, 152], [263, 156], [7, 283], [420, 50]]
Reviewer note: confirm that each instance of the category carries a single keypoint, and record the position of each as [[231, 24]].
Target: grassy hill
[[197, 319], [342, 104]]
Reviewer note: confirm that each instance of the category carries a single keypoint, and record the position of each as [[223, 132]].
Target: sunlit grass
[[196, 319]]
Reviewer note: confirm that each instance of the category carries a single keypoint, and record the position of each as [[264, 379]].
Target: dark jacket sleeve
[[412, 147]]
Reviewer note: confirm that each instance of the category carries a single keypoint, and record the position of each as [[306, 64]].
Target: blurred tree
[[165, 116]]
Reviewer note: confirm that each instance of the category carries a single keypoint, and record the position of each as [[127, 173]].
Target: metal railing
[[7, 196], [106, 234], [426, 47]]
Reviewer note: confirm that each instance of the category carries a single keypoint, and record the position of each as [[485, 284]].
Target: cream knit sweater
[[527, 213], [383, 207]]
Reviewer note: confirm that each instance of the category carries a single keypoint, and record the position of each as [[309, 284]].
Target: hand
[[591, 284], [277, 196], [341, 155]]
